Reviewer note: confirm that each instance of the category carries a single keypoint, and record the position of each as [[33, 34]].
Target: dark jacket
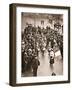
[[35, 63]]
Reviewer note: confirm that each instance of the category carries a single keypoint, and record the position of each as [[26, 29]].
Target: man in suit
[[35, 63]]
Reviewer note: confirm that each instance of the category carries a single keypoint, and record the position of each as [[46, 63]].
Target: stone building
[[42, 20]]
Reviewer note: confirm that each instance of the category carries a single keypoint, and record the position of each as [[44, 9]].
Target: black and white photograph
[[42, 44]]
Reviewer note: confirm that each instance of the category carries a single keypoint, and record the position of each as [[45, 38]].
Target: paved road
[[45, 69]]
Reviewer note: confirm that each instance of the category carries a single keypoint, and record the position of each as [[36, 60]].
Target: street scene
[[41, 44], [45, 69]]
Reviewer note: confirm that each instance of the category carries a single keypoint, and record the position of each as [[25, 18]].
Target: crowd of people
[[35, 40]]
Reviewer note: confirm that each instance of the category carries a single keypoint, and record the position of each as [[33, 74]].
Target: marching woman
[[52, 56]]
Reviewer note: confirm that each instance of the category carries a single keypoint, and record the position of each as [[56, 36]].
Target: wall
[[36, 18], [33, 19], [4, 45]]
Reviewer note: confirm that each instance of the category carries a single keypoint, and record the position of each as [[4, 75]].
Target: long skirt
[[51, 61]]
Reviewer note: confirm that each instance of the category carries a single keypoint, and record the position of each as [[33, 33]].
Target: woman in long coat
[[52, 55]]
